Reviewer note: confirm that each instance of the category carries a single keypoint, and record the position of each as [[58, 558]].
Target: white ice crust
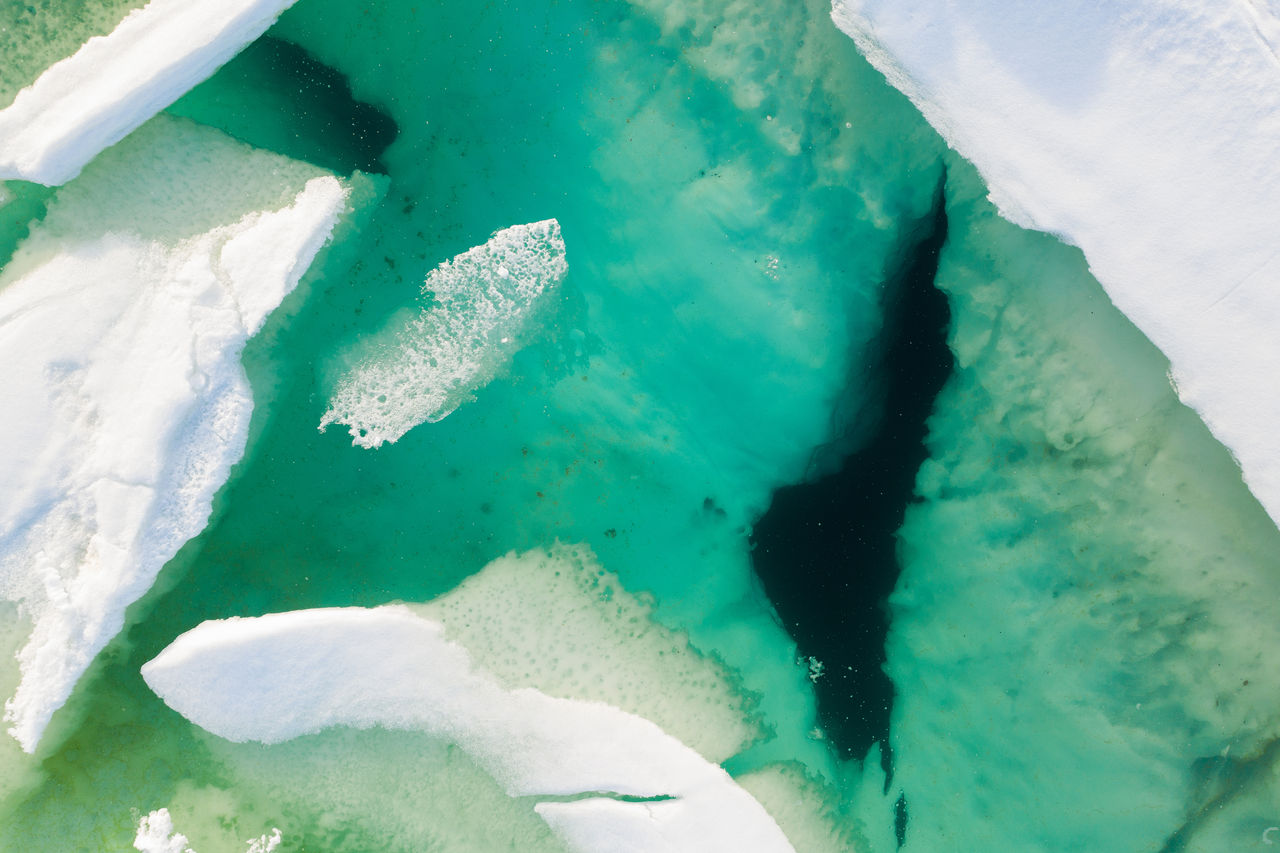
[[114, 83], [482, 304], [1148, 134], [126, 404], [284, 675]]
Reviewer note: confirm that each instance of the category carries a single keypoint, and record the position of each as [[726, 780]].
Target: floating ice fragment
[[114, 83], [284, 675], [485, 302], [122, 318], [1147, 134]]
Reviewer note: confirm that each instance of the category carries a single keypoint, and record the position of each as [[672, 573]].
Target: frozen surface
[[125, 398], [1147, 134], [482, 304], [284, 675], [114, 83]]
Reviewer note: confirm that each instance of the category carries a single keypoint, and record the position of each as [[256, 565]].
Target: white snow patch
[[483, 305], [1146, 133], [157, 835], [265, 843], [126, 403], [284, 675], [114, 83]]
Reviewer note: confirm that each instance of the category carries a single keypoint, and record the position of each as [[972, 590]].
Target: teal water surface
[[734, 185]]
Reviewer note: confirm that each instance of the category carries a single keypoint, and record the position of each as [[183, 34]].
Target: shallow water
[[735, 188]]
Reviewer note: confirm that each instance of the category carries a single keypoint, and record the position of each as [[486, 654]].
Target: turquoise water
[[734, 185]]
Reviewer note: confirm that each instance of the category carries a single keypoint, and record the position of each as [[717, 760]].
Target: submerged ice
[[481, 307], [1079, 637], [1148, 136], [281, 676]]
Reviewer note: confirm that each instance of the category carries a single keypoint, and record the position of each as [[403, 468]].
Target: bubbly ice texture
[[93, 99], [555, 620], [1147, 134], [482, 306], [277, 677], [126, 403]]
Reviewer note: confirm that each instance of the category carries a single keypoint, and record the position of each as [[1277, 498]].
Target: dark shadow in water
[[826, 550], [316, 117]]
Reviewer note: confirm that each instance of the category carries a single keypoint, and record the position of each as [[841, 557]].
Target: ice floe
[[114, 83], [122, 319], [284, 675], [1147, 134], [482, 304]]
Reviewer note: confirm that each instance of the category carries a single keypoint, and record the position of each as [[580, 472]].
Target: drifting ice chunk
[[122, 318], [1147, 134], [483, 303], [284, 675], [114, 83]]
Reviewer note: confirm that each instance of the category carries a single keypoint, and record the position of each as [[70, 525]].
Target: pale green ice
[[1081, 636]]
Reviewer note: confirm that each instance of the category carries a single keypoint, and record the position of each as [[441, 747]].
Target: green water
[[1080, 634], [732, 181], [34, 34]]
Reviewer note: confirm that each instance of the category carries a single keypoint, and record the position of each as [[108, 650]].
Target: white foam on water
[[114, 83], [280, 676], [483, 306], [122, 319], [1147, 134]]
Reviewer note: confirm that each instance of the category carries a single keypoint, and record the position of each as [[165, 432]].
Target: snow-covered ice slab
[[483, 304], [1148, 134], [114, 83], [122, 319], [280, 676]]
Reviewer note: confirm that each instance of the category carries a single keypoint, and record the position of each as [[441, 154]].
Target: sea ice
[[482, 304], [114, 83], [122, 318], [1147, 134], [284, 675], [555, 620], [1081, 638]]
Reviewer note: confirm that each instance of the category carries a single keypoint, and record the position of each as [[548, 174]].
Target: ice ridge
[[112, 84]]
